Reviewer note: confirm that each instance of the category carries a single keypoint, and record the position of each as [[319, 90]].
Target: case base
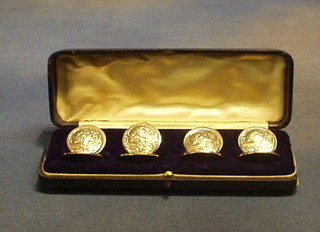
[[111, 171]]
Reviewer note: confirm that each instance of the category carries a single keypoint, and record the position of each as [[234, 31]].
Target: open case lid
[[171, 88]]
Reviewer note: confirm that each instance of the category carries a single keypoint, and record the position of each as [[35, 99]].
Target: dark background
[[31, 30]]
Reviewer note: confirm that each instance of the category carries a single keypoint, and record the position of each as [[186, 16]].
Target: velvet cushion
[[170, 159]]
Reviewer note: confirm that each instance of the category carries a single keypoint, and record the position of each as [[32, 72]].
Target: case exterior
[[167, 180]]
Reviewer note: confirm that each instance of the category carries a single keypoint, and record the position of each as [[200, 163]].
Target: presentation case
[[175, 91]]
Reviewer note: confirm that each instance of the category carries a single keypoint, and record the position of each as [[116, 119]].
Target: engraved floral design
[[257, 140], [141, 138], [85, 140], [203, 140]]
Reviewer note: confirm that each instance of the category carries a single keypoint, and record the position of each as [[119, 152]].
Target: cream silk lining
[[170, 89]]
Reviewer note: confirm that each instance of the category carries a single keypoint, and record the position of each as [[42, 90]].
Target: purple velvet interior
[[170, 152]]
